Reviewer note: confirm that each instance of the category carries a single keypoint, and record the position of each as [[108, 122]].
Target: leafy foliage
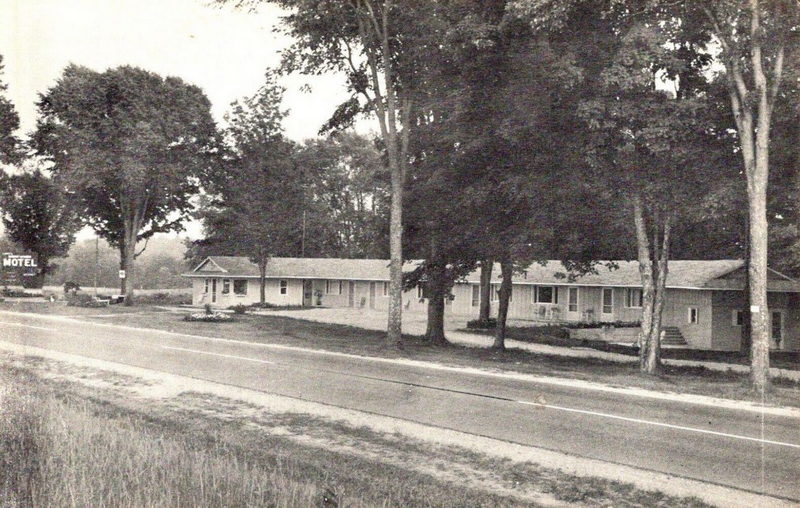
[[9, 123], [38, 215], [130, 145]]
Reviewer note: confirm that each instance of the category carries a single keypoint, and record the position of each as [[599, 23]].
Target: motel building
[[703, 307]]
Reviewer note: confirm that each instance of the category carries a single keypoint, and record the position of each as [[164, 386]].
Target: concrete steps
[[673, 337]]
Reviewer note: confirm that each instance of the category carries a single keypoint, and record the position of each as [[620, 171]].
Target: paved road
[[730, 447]]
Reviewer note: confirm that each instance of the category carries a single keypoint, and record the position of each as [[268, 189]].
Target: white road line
[[29, 326], [218, 354], [658, 424]]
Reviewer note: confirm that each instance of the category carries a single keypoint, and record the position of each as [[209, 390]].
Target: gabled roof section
[[304, 268], [209, 265], [682, 274]]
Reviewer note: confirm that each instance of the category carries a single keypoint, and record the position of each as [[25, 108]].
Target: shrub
[[615, 324], [238, 309], [16, 293], [272, 306], [164, 298], [71, 287], [84, 300], [486, 324]]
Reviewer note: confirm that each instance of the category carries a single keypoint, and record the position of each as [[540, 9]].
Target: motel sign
[[15, 266]]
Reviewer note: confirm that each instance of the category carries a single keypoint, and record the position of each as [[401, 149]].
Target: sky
[[223, 50]]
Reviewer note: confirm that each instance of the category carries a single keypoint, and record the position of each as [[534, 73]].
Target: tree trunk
[[486, 290], [262, 280], [653, 268], [506, 271], [434, 332], [757, 272], [745, 349], [648, 286], [394, 326], [374, 26], [122, 281], [757, 179], [752, 112], [43, 265], [130, 254], [662, 268], [436, 289]]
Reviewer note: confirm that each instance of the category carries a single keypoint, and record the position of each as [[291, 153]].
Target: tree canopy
[[130, 145]]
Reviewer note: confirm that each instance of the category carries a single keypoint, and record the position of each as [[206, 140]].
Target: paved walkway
[[414, 324]]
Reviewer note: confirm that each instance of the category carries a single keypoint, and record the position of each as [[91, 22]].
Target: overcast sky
[[222, 50]]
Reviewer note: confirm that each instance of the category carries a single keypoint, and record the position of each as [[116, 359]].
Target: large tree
[[661, 146], [38, 215], [380, 46], [345, 196], [254, 206], [9, 123], [130, 144], [757, 43]]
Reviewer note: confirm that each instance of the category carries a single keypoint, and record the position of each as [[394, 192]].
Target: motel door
[[308, 293], [573, 311], [351, 294], [776, 333], [213, 290], [371, 295]]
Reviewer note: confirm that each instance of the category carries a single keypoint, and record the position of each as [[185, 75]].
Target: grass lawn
[[556, 336], [340, 338], [63, 443]]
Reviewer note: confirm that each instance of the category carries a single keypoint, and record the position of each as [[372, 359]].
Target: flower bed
[[205, 317]]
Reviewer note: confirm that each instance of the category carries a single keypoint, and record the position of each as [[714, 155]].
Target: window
[[608, 301], [572, 297], [776, 325], [694, 315], [495, 297], [476, 295], [545, 294], [226, 286], [205, 287], [385, 289], [420, 292], [284, 287], [240, 287], [737, 318], [333, 287], [633, 298]]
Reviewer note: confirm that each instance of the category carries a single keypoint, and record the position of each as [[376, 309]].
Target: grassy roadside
[[347, 339], [63, 443]]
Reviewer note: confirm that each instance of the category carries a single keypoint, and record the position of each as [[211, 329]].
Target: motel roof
[[724, 274]]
